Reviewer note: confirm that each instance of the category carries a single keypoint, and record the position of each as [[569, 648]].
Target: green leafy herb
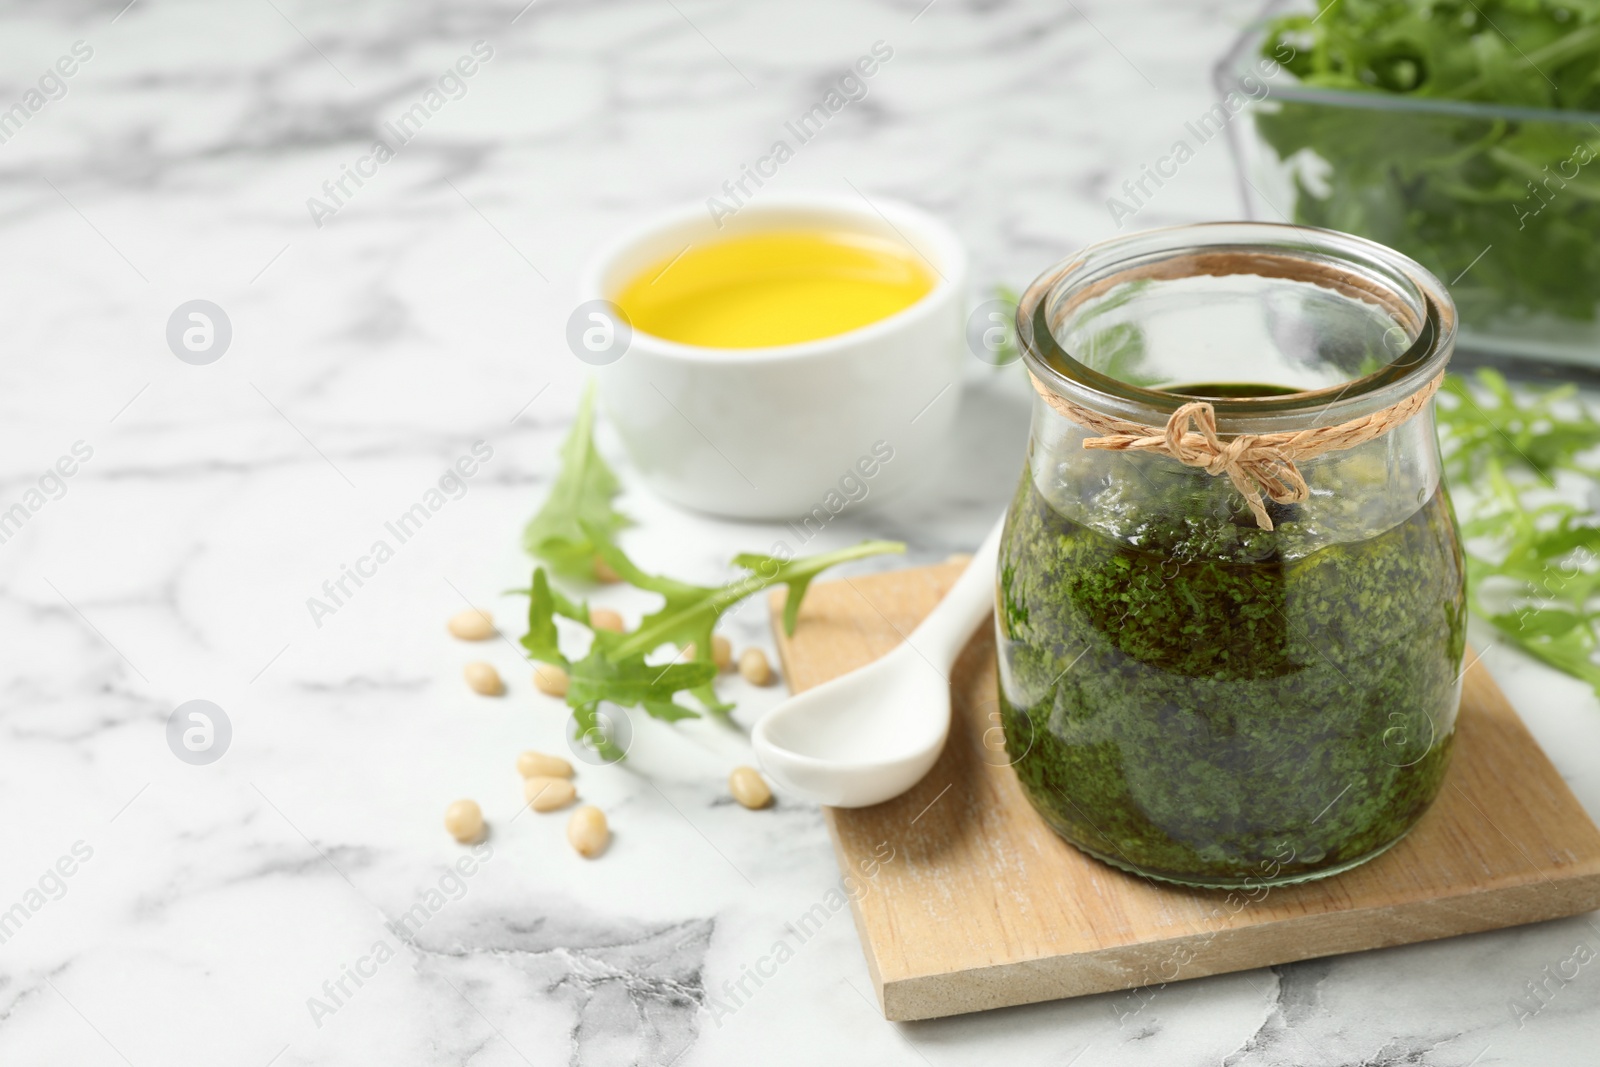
[[562, 533], [573, 530], [1536, 53], [615, 668], [1445, 187], [1006, 351], [1531, 556]]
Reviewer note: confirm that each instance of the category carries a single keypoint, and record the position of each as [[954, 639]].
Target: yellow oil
[[776, 288]]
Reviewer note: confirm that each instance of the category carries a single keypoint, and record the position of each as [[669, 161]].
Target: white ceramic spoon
[[870, 735]]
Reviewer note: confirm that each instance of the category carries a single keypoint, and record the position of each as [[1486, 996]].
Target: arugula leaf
[[605, 673], [1007, 352], [542, 640], [630, 681], [1448, 49], [689, 613], [574, 533], [579, 500], [615, 667], [1495, 423], [1533, 560]]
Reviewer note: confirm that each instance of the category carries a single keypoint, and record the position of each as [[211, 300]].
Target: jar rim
[[1353, 266]]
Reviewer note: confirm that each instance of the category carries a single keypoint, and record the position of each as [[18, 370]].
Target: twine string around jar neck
[[1256, 464]]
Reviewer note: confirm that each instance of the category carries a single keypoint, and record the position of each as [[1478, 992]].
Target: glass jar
[[1193, 689]]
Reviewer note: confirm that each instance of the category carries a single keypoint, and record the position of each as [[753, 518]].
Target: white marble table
[[207, 906]]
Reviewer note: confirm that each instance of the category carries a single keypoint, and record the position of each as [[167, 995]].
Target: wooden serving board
[[983, 905]]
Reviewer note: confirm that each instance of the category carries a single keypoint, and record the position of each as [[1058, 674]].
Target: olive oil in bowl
[[776, 288]]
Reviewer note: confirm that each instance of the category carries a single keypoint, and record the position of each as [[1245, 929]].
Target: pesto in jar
[[1196, 699]]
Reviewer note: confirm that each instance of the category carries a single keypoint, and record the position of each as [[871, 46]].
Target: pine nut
[[587, 831], [464, 820], [474, 624], [533, 764], [749, 788], [548, 678], [754, 668], [483, 678], [959, 557], [721, 651], [548, 794], [606, 619], [603, 572]]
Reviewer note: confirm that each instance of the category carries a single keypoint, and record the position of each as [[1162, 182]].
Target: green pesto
[[1215, 708]]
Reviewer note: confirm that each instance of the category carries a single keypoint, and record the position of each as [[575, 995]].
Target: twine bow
[[1256, 464]]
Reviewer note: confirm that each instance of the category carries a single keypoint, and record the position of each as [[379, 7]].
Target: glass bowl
[[1501, 202]]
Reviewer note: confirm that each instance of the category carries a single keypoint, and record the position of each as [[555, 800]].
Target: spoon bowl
[[821, 745], [868, 736]]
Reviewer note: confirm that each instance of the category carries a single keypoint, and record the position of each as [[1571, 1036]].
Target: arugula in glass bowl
[[1464, 133]]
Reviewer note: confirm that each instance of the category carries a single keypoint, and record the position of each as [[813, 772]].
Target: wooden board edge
[[1488, 693], [1289, 941]]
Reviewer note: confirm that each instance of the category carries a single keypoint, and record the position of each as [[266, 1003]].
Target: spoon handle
[[947, 629]]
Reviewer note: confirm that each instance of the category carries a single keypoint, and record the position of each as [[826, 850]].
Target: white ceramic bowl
[[780, 432]]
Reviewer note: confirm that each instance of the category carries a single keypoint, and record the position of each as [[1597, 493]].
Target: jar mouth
[[1347, 293]]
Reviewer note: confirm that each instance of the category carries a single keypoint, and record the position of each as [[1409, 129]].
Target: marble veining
[[222, 913]]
